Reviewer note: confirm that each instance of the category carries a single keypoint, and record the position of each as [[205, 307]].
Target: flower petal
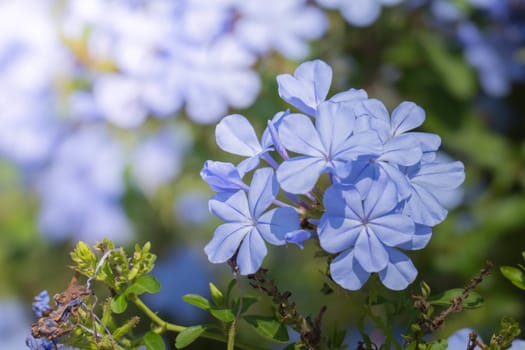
[[308, 87], [263, 190], [405, 117], [370, 252], [230, 207], [235, 134], [298, 134], [400, 271], [221, 176], [393, 229], [251, 254], [346, 271], [298, 175], [276, 223], [225, 241]]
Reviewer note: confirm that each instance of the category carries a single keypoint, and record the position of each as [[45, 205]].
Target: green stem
[[231, 335], [167, 326]]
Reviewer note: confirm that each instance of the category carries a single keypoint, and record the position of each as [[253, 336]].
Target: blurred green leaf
[[269, 327], [440, 344], [154, 341], [473, 301], [515, 275], [456, 75], [188, 336]]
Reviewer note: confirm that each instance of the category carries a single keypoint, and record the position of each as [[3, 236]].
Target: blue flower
[[360, 13], [39, 343], [427, 180], [222, 177], [235, 134], [329, 146], [41, 304], [460, 340], [308, 87], [247, 226], [363, 231]]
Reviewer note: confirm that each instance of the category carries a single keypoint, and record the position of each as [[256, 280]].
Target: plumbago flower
[[382, 193]]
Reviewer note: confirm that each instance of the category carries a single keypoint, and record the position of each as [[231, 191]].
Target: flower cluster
[[385, 182], [85, 75], [40, 308]]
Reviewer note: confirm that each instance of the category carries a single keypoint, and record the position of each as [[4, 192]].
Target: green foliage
[[154, 341], [268, 327], [516, 275], [188, 336]]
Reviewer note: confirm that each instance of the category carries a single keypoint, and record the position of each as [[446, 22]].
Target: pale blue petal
[[351, 95], [308, 87], [225, 241], [359, 144], [403, 150], [393, 229], [460, 340], [381, 198], [338, 233], [420, 238], [230, 207], [429, 142], [222, 177], [361, 13], [263, 190], [447, 175], [235, 134], [334, 122], [403, 185], [379, 117], [298, 134], [248, 165], [251, 254], [400, 271], [346, 271], [298, 175], [424, 207], [370, 252], [298, 237], [276, 223], [271, 135], [405, 117]]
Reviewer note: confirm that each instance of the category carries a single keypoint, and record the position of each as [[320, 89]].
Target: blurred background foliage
[[408, 53]]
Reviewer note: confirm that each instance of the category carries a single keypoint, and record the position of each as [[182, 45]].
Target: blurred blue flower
[[364, 231], [157, 159], [191, 207], [182, 272], [14, 324], [41, 304], [247, 226], [360, 13], [39, 343], [283, 25], [80, 190]]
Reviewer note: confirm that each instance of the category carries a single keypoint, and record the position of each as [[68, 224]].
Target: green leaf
[[515, 275], [268, 327], [154, 341], [440, 344], [216, 295], [247, 301], [197, 300], [119, 304], [144, 284], [188, 336], [473, 301], [456, 75], [225, 315]]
